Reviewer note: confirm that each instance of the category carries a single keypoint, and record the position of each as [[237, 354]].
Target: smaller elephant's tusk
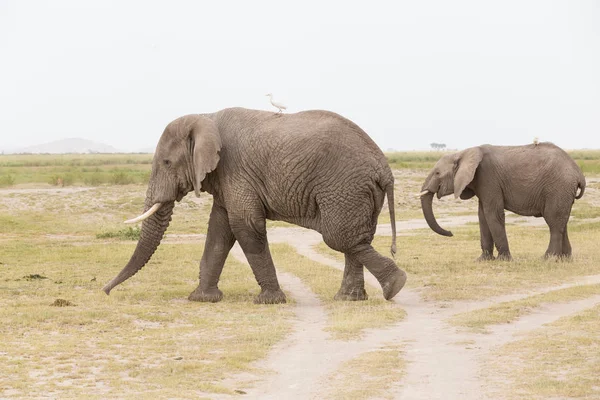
[[145, 215], [423, 193]]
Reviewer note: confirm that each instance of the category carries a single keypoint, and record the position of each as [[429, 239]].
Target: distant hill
[[72, 145]]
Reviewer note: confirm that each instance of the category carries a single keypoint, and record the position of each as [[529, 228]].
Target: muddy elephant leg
[[251, 233], [486, 239], [219, 240], [494, 216], [353, 283], [390, 277]]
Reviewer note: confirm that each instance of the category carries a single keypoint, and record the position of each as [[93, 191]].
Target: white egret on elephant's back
[[276, 104]]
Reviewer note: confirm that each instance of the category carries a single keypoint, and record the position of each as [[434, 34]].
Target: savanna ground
[[459, 329]]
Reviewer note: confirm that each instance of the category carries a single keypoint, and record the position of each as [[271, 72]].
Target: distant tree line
[[438, 146]]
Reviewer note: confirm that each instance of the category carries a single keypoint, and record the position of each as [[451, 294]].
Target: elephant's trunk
[[426, 206], [152, 232]]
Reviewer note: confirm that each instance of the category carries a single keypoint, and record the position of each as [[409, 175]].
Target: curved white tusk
[[423, 193], [145, 215]]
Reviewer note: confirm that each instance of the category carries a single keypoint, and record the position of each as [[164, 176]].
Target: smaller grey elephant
[[539, 180]]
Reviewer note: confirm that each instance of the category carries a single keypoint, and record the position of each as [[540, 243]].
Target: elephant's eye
[[167, 162]]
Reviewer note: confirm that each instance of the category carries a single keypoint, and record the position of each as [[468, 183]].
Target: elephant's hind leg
[[390, 277], [566, 247], [353, 283], [557, 220], [219, 240]]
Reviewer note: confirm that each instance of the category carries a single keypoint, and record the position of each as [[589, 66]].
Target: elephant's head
[[186, 152], [451, 174]]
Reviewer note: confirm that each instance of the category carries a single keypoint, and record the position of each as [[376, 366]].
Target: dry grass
[[370, 375], [143, 338], [447, 269], [561, 360]]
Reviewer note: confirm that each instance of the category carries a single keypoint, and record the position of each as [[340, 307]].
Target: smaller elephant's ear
[[205, 143], [468, 161]]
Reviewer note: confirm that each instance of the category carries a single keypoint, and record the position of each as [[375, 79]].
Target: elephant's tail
[[581, 186], [389, 190]]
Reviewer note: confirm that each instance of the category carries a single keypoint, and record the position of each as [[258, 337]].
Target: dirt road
[[443, 361]]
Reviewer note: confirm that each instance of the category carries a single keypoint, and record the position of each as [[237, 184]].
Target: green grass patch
[[346, 319], [413, 159], [77, 169], [510, 311], [7, 180], [129, 233]]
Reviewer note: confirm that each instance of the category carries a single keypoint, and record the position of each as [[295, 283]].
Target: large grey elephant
[[315, 169], [538, 180]]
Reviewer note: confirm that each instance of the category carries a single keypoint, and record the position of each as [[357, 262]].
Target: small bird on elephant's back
[[539, 180], [276, 104], [315, 169]]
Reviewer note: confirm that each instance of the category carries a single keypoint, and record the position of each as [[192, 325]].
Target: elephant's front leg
[[487, 241], [219, 240], [494, 216], [251, 233], [353, 283]]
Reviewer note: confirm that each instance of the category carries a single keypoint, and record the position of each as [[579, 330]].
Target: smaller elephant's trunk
[[152, 233], [426, 206]]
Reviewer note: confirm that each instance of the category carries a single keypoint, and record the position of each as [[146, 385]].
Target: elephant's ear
[[205, 143], [468, 161]]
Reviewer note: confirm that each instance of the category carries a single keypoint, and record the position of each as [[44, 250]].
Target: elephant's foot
[[504, 257], [213, 295], [557, 257], [393, 283], [486, 256], [351, 294], [269, 296]]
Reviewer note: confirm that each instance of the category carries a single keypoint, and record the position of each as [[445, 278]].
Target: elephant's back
[[305, 157], [309, 137], [537, 158]]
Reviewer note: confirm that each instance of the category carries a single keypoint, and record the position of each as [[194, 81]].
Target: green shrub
[[7, 180], [61, 180], [94, 179], [123, 234], [121, 178]]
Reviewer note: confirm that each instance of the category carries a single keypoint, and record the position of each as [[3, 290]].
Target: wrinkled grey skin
[[534, 180], [315, 169]]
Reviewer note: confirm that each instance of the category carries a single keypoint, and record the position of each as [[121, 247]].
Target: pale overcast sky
[[408, 72]]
